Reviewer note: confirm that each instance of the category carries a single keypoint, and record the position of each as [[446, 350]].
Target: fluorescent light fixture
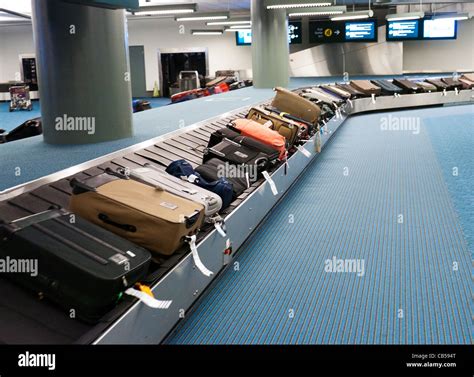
[[237, 30], [319, 11], [240, 27], [404, 16], [229, 22], [204, 17], [286, 4], [166, 10], [354, 15], [207, 32], [452, 16]]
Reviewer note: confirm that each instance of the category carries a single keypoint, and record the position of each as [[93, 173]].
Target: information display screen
[[295, 34], [360, 31], [439, 29], [403, 30], [342, 31]]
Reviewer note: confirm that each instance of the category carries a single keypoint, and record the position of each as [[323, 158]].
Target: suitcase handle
[[191, 221], [79, 187], [213, 151], [126, 227]]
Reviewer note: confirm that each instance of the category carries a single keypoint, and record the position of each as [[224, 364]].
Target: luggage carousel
[[25, 319]]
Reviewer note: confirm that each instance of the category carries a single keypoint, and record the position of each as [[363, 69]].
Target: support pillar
[[83, 72], [270, 46]]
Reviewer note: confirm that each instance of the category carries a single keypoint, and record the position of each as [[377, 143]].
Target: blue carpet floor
[[36, 159], [409, 292], [10, 120]]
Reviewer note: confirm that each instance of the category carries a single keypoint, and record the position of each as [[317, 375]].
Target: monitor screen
[[439, 29], [360, 31], [295, 34], [244, 38], [403, 30]]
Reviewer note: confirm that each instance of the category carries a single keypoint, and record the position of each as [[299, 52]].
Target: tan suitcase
[[290, 129], [149, 217], [366, 87], [291, 103], [468, 76]]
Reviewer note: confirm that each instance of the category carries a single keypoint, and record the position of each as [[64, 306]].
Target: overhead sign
[[403, 30], [342, 31]]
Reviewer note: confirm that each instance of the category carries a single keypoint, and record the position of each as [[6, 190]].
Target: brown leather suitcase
[[455, 83], [366, 87], [290, 102], [147, 216], [350, 89]]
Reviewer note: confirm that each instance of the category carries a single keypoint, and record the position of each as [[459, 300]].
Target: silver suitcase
[[153, 176], [319, 95]]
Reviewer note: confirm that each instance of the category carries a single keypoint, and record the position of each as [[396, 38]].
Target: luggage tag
[[197, 261], [227, 252], [270, 182], [219, 224], [305, 152], [373, 98], [317, 145], [456, 91], [148, 299], [445, 93], [350, 103], [247, 179]]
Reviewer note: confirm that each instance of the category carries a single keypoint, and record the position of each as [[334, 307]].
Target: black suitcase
[[80, 266], [212, 171], [407, 86], [230, 146], [388, 88], [32, 127]]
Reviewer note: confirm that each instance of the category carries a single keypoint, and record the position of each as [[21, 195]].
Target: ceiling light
[[204, 16], [207, 32], [285, 4], [166, 9], [243, 30], [240, 26], [229, 22], [404, 16], [354, 15], [452, 16], [319, 11]]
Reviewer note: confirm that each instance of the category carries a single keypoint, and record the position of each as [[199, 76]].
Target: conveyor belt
[[39, 321], [409, 292]]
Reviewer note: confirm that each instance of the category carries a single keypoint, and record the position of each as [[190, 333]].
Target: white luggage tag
[[219, 224], [350, 103], [149, 300], [270, 182], [317, 145], [456, 91], [247, 179], [373, 98], [197, 261], [444, 92], [305, 152]]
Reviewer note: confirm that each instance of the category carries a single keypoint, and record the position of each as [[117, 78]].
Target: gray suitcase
[[317, 94], [153, 176]]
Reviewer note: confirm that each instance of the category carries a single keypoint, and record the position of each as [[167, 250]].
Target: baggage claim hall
[[236, 172]]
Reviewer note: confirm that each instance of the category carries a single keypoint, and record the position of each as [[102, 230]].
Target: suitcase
[[388, 88], [154, 219], [212, 171], [291, 103], [161, 180], [353, 91], [426, 87], [469, 84], [452, 83], [238, 151], [293, 131], [440, 85], [216, 81], [468, 76], [366, 87], [32, 127], [407, 86], [335, 90], [272, 141], [316, 94], [81, 266], [222, 187]]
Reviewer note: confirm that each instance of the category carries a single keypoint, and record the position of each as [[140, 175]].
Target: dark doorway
[[173, 63]]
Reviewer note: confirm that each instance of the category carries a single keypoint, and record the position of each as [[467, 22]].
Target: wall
[[14, 40], [441, 56], [223, 53]]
